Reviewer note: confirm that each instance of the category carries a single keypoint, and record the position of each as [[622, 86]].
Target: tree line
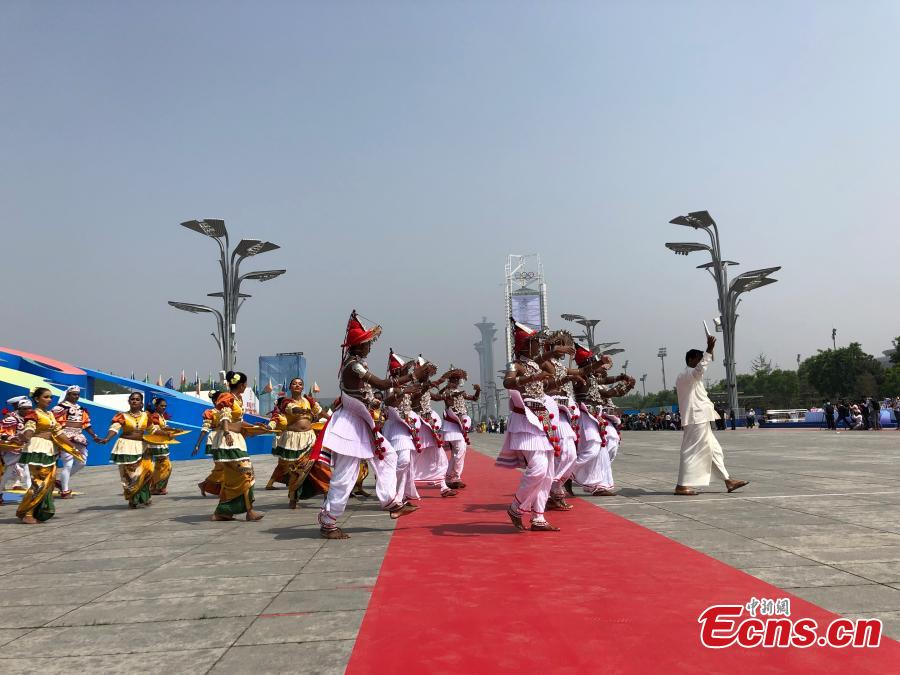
[[847, 372]]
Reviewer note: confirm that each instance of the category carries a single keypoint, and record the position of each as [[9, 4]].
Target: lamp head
[[684, 247], [264, 275], [190, 307], [211, 227], [249, 247]]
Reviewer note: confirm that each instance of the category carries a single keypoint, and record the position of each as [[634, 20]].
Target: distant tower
[[526, 295], [487, 404]]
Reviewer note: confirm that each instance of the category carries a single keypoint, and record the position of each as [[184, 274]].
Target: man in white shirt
[[700, 450]]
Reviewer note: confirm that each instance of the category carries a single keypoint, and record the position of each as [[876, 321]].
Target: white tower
[[526, 295]]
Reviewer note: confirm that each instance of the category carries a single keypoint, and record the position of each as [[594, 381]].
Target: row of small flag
[[197, 384]]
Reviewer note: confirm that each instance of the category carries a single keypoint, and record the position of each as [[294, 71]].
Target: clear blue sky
[[398, 151]]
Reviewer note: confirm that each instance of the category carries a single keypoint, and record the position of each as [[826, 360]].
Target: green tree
[[895, 357], [761, 365], [838, 372], [890, 386]]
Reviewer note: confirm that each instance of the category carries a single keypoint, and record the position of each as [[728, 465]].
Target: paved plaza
[[102, 588]]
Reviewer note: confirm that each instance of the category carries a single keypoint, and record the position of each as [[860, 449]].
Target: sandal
[[736, 484], [333, 533], [65, 494], [559, 504], [543, 526], [603, 492], [403, 510], [516, 519], [449, 493]]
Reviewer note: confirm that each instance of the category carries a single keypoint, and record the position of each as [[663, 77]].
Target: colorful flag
[[183, 379], [198, 384], [147, 378], [169, 384], [159, 381], [132, 374], [268, 388], [315, 388]]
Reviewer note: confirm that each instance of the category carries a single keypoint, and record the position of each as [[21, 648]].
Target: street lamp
[[661, 354], [625, 367], [589, 326], [728, 295], [644, 384], [232, 298]]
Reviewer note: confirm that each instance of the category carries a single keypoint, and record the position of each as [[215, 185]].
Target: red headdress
[[522, 335], [357, 333], [582, 355], [395, 363]]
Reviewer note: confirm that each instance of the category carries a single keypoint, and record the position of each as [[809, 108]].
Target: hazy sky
[[398, 151]]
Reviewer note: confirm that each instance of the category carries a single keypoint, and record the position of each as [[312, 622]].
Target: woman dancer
[[130, 451], [230, 450], [76, 422], [159, 450], [43, 437], [11, 429], [457, 423], [296, 440]]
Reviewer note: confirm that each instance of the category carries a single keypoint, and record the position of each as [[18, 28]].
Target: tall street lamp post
[[728, 294], [662, 357], [644, 384], [232, 298]]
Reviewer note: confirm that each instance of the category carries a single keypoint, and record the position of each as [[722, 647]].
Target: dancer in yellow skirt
[[159, 448], [296, 439], [43, 438], [212, 484], [230, 451], [130, 451]]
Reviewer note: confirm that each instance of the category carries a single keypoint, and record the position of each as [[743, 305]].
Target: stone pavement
[[108, 589]]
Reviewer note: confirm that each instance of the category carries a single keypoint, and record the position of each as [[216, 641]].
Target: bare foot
[[29, 520], [221, 518], [253, 516]]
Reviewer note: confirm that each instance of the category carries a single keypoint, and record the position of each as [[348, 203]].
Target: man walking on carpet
[[700, 450]]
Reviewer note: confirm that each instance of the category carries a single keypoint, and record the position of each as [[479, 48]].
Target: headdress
[[395, 363], [19, 402], [582, 355], [357, 334], [522, 335], [70, 388]]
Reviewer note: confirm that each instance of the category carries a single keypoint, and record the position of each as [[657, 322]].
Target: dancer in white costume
[[700, 450], [456, 423], [76, 422], [351, 434], [402, 426], [559, 348], [11, 444], [598, 441], [531, 438], [431, 465]]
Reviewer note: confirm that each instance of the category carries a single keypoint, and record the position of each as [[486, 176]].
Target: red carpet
[[461, 591]]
